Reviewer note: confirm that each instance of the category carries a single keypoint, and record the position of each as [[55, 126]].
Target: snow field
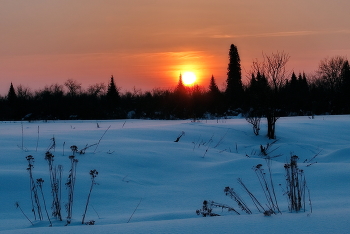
[[139, 163]]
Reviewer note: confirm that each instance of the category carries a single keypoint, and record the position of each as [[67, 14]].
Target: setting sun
[[188, 78]]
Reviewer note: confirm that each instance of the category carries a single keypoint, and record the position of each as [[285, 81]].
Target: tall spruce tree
[[112, 95], [214, 99], [11, 96], [234, 88], [180, 88], [181, 99], [258, 92], [213, 88]]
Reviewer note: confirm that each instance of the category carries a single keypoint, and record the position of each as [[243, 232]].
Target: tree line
[[272, 92]]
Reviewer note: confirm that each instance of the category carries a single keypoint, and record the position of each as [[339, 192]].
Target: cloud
[[281, 34], [170, 54]]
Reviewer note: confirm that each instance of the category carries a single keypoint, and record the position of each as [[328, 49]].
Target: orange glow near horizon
[[192, 65], [188, 78], [148, 44]]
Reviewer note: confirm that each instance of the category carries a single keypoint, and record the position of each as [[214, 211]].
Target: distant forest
[[271, 91]]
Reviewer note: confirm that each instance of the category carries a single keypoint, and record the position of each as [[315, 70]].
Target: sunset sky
[[148, 43]]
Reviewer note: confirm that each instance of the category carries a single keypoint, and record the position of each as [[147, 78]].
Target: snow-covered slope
[[147, 183]]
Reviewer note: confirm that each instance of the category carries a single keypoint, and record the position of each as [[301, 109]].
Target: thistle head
[[93, 173], [30, 157], [39, 181], [49, 156], [74, 148]]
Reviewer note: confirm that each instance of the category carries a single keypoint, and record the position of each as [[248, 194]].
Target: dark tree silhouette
[[181, 100], [345, 76], [74, 88], [11, 95], [330, 70], [273, 68], [213, 88], [258, 94], [271, 93], [214, 97], [180, 88], [10, 107], [112, 98], [112, 89], [234, 88], [196, 103], [97, 89]]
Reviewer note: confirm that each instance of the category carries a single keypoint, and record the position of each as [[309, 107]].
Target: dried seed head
[[30, 157], [49, 156]]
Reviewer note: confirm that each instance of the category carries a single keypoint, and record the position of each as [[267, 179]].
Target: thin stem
[[134, 210], [37, 142], [40, 183], [18, 206], [101, 138]]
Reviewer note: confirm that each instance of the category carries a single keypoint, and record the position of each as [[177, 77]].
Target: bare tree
[[97, 89], [56, 89], [253, 117], [276, 73], [73, 87], [23, 92], [330, 70], [273, 67]]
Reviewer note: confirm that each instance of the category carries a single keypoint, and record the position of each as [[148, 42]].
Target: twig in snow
[[18, 206], [22, 134], [101, 138], [37, 142], [221, 139], [95, 211], [134, 210], [178, 138]]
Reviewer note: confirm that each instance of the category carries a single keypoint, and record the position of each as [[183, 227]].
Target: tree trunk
[[271, 123]]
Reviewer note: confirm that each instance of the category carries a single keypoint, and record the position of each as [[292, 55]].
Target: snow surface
[[157, 184]]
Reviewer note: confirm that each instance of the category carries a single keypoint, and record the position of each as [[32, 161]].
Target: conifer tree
[[213, 88], [234, 88], [181, 99], [345, 76], [214, 97], [294, 80], [11, 96], [180, 88], [259, 92], [113, 96]]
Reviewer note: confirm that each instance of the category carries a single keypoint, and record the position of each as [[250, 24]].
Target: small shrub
[[254, 117], [207, 209], [295, 185]]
